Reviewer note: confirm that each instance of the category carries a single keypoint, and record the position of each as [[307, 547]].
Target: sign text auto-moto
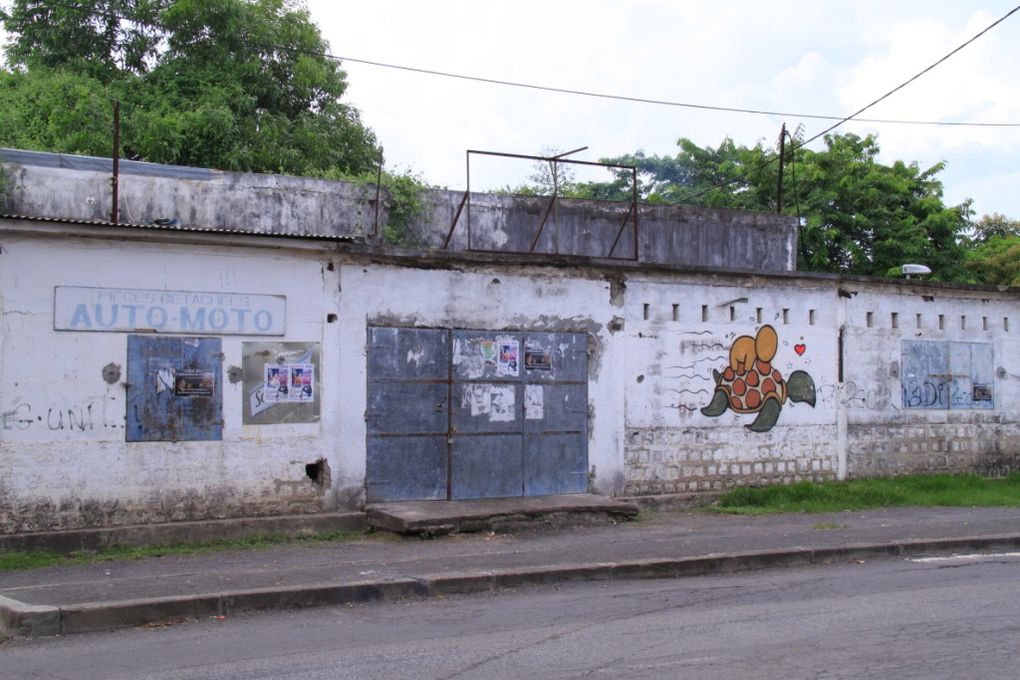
[[167, 311]]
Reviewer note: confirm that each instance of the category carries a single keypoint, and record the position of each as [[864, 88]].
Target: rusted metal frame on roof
[[632, 210], [456, 216], [378, 191], [467, 163], [541, 226], [465, 202]]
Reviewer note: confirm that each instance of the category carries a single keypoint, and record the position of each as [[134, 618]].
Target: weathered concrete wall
[[679, 234], [678, 333], [894, 421], [62, 186], [881, 378], [79, 188], [65, 460], [871, 416]]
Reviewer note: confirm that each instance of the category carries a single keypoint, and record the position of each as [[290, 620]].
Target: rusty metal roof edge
[[154, 226]]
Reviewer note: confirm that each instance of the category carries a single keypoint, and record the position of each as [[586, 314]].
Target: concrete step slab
[[487, 514]]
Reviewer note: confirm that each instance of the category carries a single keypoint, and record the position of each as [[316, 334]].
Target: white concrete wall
[[63, 457], [886, 438], [678, 331], [64, 461], [654, 340], [679, 328]]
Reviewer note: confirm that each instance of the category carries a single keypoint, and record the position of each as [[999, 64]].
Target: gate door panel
[[555, 413], [408, 414], [510, 409]]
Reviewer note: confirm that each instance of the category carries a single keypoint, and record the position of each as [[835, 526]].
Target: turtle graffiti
[[750, 384]]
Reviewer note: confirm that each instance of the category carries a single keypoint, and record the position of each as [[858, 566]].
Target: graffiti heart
[[750, 384], [800, 348]]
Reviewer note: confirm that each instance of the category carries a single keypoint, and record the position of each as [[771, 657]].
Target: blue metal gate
[[475, 414]]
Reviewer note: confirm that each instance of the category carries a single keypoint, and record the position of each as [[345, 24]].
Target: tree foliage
[[858, 215], [994, 256], [233, 84]]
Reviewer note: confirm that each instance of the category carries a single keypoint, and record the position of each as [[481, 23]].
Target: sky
[[828, 57]]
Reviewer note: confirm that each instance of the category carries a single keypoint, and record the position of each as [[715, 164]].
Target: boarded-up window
[[947, 375], [174, 389]]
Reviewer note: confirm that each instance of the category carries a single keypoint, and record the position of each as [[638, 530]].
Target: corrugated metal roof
[[168, 226], [95, 164]]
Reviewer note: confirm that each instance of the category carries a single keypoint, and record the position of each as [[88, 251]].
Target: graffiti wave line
[[697, 333], [692, 376], [684, 367], [688, 391], [686, 407], [704, 345]]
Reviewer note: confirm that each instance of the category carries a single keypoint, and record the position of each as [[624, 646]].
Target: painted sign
[[78, 308]]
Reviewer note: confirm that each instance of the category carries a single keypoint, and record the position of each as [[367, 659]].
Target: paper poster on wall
[[488, 350], [289, 383], [191, 382], [302, 382], [537, 358], [279, 382], [507, 363]]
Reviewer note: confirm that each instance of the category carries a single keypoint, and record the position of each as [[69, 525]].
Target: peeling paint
[[486, 400], [534, 402]]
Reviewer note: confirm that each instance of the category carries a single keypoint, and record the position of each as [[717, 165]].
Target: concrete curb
[[172, 533], [20, 619]]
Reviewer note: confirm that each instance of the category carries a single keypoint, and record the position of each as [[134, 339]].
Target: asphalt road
[[945, 618]]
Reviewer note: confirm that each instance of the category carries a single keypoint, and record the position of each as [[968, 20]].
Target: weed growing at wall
[[403, 202], [405, 207]]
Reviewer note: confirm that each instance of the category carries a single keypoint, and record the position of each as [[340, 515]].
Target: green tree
[[994, 226], [994, 256], [234, 84], [858, 216]]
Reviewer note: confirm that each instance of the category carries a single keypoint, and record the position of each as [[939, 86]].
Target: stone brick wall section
[[983, 448], [674, 460]]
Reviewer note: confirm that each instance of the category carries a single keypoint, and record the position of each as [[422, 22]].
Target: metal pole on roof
[[115, 182], [782, 149]]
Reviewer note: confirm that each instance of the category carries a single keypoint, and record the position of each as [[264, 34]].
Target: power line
[[601, 95], [853, 115], [659, 102]]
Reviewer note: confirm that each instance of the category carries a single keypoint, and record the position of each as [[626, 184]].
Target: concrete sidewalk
[[79, 598]]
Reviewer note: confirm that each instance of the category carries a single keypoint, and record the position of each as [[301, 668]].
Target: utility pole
[[782, 148]]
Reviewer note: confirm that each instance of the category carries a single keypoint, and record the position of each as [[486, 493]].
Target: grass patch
[[906, 491], [34, 559]]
